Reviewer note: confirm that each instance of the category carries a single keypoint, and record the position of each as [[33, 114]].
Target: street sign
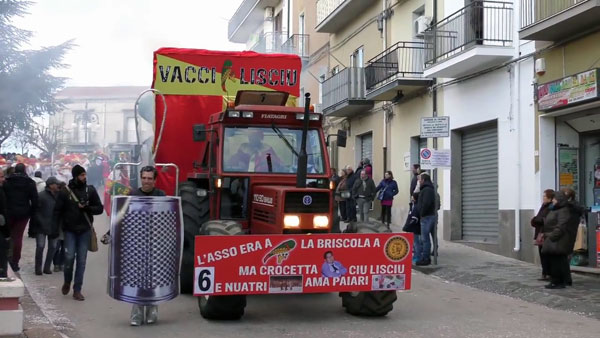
[[435, 126], [431, 158]]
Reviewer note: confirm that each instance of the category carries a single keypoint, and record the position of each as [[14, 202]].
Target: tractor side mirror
[[341, 138], [199, 133]]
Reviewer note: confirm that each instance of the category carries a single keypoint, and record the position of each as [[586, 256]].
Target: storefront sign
[[435, 126], [263, 264], [569, 90], [431, 158]]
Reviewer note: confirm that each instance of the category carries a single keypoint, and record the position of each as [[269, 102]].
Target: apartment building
[[566, 35], [100, 118]]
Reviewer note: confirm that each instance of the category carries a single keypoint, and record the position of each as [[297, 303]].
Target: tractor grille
[[307, 202], [263, 216]]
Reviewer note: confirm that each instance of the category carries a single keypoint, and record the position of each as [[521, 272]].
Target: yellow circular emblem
[[397, 248]]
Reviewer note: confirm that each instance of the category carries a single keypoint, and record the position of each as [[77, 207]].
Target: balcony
[[474, 38], [297, 44], [399, 68], [270, 42], [344, 93], [333, 15], [554, 20], [247, 18]]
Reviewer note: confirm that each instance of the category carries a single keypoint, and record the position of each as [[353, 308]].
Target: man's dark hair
[[327, 252], [38, 174], [416, 166], [20, 168], [426, 177], [149, 169]]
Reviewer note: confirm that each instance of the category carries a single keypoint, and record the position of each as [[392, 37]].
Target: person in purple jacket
[[331, 267]]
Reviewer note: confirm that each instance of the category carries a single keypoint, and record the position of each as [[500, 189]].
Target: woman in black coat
[[538, 223], [557, 240]]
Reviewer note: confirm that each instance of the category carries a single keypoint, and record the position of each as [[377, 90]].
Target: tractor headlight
[[291, 221], [321, 221]]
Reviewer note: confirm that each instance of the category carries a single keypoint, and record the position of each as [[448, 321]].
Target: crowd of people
[[556, 225], [357, 189]]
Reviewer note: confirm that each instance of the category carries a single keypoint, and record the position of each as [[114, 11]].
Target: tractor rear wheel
[[222, 307], [195, 212], [369, 303]]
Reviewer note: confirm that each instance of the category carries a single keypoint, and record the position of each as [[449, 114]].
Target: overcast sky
[[116, 38]]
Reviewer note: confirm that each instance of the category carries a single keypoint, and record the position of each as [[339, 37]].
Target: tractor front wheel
[[222, 307], [369, 303]]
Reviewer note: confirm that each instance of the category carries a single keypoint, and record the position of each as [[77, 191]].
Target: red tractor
[[262, 168]]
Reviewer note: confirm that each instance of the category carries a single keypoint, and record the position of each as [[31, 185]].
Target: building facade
[[100, 118], [567, 58], [386, 65]]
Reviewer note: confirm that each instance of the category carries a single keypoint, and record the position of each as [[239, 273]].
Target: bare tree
[[46, 139]]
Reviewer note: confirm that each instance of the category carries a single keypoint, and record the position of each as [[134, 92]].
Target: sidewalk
[[513, 278]]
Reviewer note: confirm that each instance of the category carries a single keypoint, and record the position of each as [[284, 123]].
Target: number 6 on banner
[[204, 280]]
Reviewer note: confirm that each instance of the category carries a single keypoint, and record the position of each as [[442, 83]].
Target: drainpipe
[[385, 130], [434, 113], [517, 76]]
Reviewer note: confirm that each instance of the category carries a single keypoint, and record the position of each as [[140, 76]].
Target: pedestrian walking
[[386, 190], [367, 167], [147, 314], [363, 191], [538, 223], [350, 201], [94, 173], [556, 240], [427, 214], [59, 254], [413, 225], [46, 229], [342, 187], [75, 207], [40, 184], [22, 199], [4, 232]]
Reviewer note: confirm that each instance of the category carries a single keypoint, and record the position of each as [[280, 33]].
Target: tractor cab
[[251, 160]]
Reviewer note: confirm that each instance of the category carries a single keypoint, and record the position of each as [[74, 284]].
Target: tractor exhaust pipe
[[302, 158]]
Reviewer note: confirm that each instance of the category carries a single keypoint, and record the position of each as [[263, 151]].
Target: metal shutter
[[480, 184], [366, 147]]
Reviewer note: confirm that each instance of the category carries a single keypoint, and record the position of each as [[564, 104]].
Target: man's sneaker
[[66, 288], [151, 314], [424, 262]]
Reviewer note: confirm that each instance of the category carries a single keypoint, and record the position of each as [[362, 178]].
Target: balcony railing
[[347, 85], [534, 11], [326, 7], [270, 42], [297, 44], [402, 60], [480, 23]]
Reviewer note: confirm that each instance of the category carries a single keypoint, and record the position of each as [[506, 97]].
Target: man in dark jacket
[[22, 199], [363, 192], [148, 176], [350, 201], [75, 207], [45, 227], [4, 232], [427, 212], [416, 170]]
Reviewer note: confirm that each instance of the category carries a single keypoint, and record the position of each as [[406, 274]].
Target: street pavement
[[436, 306]]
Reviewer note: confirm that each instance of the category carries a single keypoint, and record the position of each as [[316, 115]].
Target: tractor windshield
[[270, 149]]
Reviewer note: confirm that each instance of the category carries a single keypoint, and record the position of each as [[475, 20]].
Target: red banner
[[264, 264]]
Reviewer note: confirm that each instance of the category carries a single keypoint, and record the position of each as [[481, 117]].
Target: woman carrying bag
[[557, 243], [386, 190]]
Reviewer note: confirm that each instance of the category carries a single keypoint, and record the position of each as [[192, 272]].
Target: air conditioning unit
[[421, 25], [269, 12]]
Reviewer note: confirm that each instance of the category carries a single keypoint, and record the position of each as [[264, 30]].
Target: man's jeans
[[417, 247], [427, 226], [76, 248], [363, 209], [40, 241]]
